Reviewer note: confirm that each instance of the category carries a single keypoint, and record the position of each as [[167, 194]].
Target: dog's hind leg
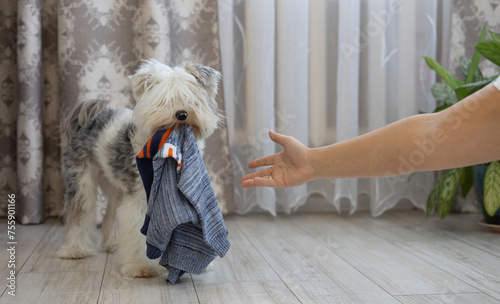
[[109, 224], [131, 244], [79, 209]]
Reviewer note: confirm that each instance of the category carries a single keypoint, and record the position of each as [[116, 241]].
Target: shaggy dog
[[101, 146]]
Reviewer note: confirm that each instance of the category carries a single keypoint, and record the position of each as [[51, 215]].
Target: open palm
[[288, 168]]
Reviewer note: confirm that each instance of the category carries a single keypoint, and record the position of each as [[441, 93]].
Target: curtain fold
[[340, 68], [292, 43], [347, 119], [249, 27], [56, 52], [29, 115]]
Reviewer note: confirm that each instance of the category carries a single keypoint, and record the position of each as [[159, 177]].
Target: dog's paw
[[138, 271], [75, 253]]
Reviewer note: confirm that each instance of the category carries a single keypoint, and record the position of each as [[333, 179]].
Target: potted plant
[[485, 178]]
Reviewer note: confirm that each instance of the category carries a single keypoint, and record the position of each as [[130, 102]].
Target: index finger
[[260, 182], [260, 173], [263, 161]]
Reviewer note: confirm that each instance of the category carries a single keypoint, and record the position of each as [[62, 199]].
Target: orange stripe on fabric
[[170, 152], [148, 151], [164, 138], [144, 150]]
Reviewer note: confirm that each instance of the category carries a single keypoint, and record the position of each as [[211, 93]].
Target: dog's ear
[[206, 76], [144, 78]]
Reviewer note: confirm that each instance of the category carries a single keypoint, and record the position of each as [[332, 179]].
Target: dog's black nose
[[181, 115]]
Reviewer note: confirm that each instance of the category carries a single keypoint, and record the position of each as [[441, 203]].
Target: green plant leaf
[[441, 108], [495, 36], [432, 199], [443, 92], [472, 71], [460, 95], [490, 50], [468, 89], [492, 188], [450, 80], [411, 176], [448, 190], [444, 192], [465, 68], [467, 181]]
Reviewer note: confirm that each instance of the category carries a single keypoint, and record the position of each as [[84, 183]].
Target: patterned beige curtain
[[467, 19], [53, 53]]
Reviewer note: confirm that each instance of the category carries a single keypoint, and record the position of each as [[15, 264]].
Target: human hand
[[289, 168]]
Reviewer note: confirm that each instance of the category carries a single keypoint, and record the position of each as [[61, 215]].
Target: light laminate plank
[[439, 243], [385, 263], [264, 225], [56, 287], [448, 298], [464, 227], [261, 292], [467, 263], [28, 237], [44, 257], [119, 289], [242, 276], [303, 258], [406, 226], [242, 263], [314, 273]]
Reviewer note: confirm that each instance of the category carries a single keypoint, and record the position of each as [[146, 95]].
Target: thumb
[[277, 138]]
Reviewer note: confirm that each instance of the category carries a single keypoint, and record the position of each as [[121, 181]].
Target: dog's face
[[166, 97]]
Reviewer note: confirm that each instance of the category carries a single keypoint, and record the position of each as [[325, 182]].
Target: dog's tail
[[79, 116]]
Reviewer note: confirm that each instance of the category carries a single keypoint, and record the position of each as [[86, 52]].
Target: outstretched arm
[[465, 134]]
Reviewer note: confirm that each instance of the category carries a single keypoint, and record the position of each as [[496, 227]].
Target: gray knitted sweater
[[184, 224]]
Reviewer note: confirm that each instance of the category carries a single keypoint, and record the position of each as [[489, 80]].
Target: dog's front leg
[[131, 244]]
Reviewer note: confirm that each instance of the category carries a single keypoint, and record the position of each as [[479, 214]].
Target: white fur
[[81, 237], [160, 92]]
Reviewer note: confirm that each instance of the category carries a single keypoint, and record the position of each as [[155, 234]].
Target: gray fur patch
[[122, 158], [77, 161], [206, 76], [79, 116]]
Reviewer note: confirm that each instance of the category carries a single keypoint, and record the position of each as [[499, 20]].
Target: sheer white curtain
[[324, 71]]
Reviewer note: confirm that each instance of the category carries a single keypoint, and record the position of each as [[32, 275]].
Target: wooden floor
[[305, 258]]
